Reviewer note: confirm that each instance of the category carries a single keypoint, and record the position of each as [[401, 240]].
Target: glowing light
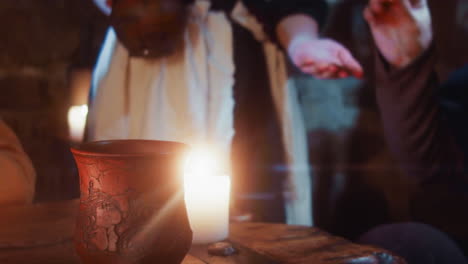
[[207, 193], [77, 121], [204, 161]]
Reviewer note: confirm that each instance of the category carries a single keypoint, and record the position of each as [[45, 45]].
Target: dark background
[[356, 183]]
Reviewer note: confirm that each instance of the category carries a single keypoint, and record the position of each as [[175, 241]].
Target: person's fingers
[[306, 65], [325, 59], [379, 7], [368, 16], [331, 72], [333, 68], [317, 66], [339, 73], [350, 63], [323, 76], [304, 60], [343, 74], [319, 73], [333, 61], [330, 75], [312, 70], [376, 6], [322, 66], [326, 75], [392, 3]]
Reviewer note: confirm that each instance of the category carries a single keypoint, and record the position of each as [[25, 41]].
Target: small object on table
[[240, 217], [222, 249]]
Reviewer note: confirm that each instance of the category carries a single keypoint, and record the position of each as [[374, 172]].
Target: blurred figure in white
[[199, 71]]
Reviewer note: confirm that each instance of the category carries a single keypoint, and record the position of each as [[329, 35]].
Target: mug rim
[[134, 147]]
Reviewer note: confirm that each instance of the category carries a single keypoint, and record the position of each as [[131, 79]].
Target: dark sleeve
[[417, 132], [270, 12]]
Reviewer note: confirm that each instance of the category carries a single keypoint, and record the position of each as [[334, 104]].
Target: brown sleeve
[[417, 133], [17, 175]]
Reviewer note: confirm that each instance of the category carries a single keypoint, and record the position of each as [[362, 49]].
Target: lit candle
[[207, 199], [77, 121]]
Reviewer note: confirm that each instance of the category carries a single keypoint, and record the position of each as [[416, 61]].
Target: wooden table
[[42, 234]]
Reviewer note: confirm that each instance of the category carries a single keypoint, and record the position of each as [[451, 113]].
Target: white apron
[[190, 99]]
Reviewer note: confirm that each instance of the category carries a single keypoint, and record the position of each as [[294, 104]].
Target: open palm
[[401, 28], [324, 58]]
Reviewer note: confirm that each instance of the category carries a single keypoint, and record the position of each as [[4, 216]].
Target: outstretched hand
[[323, 58], [401, 28]]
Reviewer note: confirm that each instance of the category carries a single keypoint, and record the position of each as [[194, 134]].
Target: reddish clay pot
[[132, 208]]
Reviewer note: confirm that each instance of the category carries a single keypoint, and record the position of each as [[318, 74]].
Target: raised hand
[[401, 28], [323, 58]]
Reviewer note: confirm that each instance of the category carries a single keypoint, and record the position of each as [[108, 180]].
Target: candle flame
[[204, 161]]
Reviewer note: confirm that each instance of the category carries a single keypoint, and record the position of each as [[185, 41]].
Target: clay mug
[[131, 205]]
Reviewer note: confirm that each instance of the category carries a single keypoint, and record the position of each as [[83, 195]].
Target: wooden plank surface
[[57, 254], [297, 244], [43, 234], [37, 225]]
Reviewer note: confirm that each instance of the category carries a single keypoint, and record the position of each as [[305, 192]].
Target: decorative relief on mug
[[131, 209]]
